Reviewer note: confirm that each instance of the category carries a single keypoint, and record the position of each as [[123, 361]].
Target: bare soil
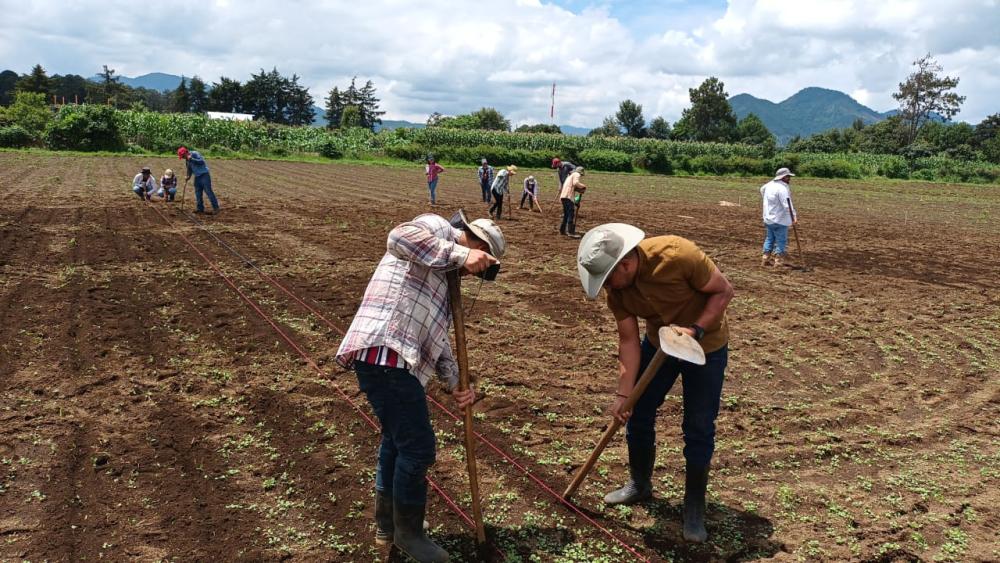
[[147, 413]]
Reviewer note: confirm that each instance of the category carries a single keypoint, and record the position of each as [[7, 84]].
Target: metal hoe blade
[[679, 345]]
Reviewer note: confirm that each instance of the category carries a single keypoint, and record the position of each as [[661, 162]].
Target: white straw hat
[[487, 231], [601, 249], [782, 172]]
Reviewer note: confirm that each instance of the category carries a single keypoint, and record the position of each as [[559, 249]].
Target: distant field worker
[[665, 280], [500, 188], [530, 193], [563, 169], [168, 185], [144, 185], [197, 167], [486, 175], [432, 170], [779, 214], [570, 188], [397, 342]]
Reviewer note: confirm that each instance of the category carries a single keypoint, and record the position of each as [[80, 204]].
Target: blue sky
[[455, 57]]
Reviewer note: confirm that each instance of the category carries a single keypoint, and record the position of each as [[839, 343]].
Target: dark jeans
[[702, 393], [567, 222], [498, 205], [408, 446], [530, 200], [485, 184], [203, 184]]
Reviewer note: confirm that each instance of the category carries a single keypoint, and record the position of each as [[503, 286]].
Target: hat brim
[[631, 236], [479, 232], [783, 175]]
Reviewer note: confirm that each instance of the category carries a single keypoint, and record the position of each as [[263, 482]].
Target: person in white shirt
[[779, 214], [143, 185]]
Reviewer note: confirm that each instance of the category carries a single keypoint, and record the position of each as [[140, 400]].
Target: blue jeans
[[568, 209], [776, 239], [408, 446], [171, 193], [487, 192], [433, 186], [139, 191], [702, 393], [203, 184]]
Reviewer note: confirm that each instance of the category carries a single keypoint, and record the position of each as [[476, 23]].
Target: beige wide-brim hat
[[782, 172], [512, 169], [601, 249], [168, 173], [487, 231]]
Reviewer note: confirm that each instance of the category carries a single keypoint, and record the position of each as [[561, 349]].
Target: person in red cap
[[197, 167], [564, 167]]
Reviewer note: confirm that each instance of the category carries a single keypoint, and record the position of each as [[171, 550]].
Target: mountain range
[[810, 110]]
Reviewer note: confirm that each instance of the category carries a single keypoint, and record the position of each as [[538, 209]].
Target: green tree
[[987, 130], [659, 128], [110, 85], [263, 96], [368, 105], [434, 119], [70, 87], [8, 81], [539, 128], [609, 128], [334, 108], [888, 136], [751, 131], [710, 117], [925, 92], [351, 117], [30, 110], [491, 119], [181, 98], [226, 95], [298, 108], [35, 81], [630, 120], [197, 95]]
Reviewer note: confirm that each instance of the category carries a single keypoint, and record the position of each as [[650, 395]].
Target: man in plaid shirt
[[397, 341]]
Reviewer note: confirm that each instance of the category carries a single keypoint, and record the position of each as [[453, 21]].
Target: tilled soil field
[[148, 412]]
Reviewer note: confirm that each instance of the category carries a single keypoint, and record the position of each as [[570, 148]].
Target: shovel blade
[[681, 346]]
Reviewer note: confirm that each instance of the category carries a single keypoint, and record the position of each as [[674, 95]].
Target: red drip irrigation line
[[448, 500], [443, 408]]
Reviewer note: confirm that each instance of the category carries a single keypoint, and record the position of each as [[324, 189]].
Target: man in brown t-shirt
[[664, 280]]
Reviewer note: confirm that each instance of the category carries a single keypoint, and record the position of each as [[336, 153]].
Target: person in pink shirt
[[432, 170]]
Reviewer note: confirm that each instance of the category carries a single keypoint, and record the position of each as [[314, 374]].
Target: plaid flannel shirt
[[406, 307]]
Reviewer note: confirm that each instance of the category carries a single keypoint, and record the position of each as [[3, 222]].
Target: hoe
[[672, 343]]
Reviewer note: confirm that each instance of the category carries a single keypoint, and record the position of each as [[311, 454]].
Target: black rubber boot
[[640, 486], [695, 483], [408, 534], [383, 518]]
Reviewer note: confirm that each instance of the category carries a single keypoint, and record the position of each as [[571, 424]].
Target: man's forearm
[[715, 307], [628, 366]]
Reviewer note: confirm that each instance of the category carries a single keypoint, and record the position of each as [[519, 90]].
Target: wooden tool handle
[[455, 300], [633, 398]]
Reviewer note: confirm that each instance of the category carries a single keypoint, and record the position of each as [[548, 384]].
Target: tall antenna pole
[[552, 108]]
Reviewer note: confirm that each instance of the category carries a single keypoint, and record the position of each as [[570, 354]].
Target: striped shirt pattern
[[380, 356], [405, 306]]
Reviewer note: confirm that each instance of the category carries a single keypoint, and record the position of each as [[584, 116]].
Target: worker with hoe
[[569, 195], [197, 167], [563, 169], [397, 341], [664, 280], [779, 214]]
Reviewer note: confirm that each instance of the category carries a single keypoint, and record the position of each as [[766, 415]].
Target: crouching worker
[[144, 185], [664, 280], [397, 341], [168, 185]]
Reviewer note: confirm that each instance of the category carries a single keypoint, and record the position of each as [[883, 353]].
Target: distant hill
[[153, 81], [809, 111]]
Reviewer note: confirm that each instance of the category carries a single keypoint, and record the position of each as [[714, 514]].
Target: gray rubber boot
[[408, 534], [695, 483], [640, 486], [383, 518]]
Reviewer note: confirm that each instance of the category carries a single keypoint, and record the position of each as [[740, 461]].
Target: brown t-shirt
[[665, 292]]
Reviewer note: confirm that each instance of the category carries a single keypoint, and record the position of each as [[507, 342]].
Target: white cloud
[[455, 57]]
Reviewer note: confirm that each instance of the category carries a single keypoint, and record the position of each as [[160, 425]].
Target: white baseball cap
[[601, 249]]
